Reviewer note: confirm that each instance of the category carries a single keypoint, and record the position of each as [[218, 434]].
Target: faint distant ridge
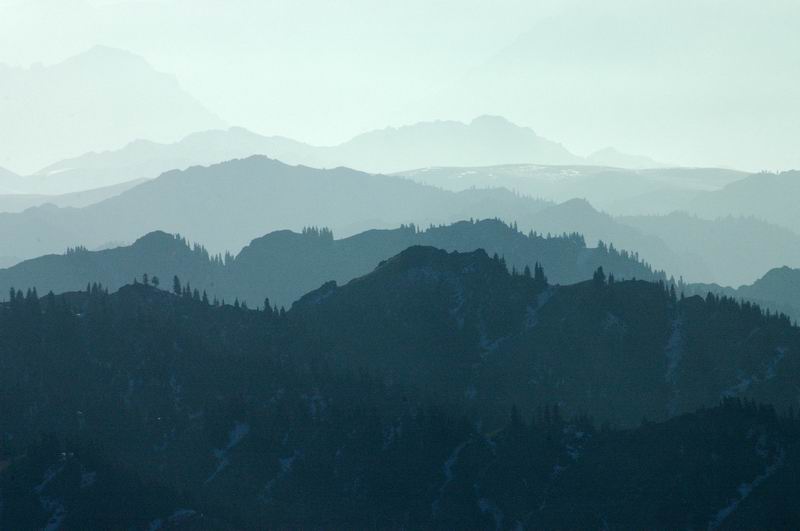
[[614, 158], [769, 196], [99, 99], [485, 141], [19, 202]]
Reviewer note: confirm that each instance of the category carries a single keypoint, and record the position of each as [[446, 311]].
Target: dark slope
[[778, 290], [266, 418], [283, 265], [589, 346]]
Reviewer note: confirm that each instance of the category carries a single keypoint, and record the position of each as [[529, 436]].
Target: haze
[[693, 83]]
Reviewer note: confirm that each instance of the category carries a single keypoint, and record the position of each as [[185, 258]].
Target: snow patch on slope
[[239, 431]]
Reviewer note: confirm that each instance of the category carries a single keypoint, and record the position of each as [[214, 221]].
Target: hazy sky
[[701, 82]]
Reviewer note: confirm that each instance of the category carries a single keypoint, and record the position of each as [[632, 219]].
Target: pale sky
[[701, 82]]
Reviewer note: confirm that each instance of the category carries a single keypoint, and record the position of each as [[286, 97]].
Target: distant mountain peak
[[485, 120]]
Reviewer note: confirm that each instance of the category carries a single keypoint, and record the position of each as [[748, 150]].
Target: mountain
[[733, 250], [400, 398], [612, 157], [485, 141], [100, 99], [616, 190], [20, 202], [463, 325], [144, 159], [227, 205], [284, 265], [769, 196]]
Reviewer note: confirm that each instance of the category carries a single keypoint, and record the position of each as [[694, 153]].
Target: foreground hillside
[[284, 265], [402, 398]]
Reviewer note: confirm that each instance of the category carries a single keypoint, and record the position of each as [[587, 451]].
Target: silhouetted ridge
[[435, 260], [159, 240], [283, 265]]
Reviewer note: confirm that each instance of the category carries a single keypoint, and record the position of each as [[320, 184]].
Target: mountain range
[[613, 189], [733, 250], [401, 398], [284, 265], [485, 141], [226, 205]]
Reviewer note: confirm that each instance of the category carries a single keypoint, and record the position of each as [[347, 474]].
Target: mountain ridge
[[283, 265]]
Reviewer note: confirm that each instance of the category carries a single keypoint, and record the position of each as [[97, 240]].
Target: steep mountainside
[[390, 401], [284, 265]]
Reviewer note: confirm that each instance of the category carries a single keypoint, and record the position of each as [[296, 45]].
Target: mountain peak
[[158, 240], [491, 120], [101, 56], [434, 259]]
